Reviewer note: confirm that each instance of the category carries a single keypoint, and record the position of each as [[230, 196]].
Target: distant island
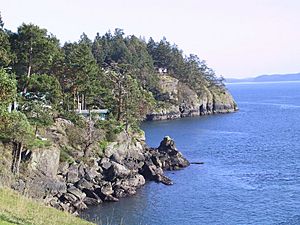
[[267, 78]]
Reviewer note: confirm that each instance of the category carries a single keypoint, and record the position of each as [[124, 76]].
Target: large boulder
[[117, 171], [45, 161], [171, 157], [107, 189], [73, 174], [41, 186], [76, 192]]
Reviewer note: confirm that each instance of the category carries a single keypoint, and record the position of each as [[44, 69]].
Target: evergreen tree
[[8, 89], [5, 50], [35, 51], [82, 75], [14, 125]]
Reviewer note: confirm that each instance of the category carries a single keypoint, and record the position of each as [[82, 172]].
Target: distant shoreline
[[262, 82], [266, 78]]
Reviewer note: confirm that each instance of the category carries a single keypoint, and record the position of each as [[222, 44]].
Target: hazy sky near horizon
[[237, 38]]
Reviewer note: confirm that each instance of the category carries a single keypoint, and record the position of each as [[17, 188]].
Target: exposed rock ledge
[[125, 167], [181, 101]]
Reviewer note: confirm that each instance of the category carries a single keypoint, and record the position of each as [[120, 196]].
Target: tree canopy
[[112, 71]]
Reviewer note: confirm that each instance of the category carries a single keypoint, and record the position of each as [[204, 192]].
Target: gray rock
[[69, 197], [91, 194], [40, 186], [92, 173], [135, 181], [111, 198], [80, 205], [117, 171], [91, 201], [120, 193], [106, 165], [63, 168], [164, 179], [45, 161], [72, 175], [156, 161], [76, 192], [106, 189], [81, 170], [116, 158], [150, 171], [19, 186], [83, 184]]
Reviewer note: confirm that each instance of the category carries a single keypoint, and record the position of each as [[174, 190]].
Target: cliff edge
[[73, 183], [177, 100]]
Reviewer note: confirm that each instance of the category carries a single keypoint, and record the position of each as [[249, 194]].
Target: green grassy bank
[[17, 209]]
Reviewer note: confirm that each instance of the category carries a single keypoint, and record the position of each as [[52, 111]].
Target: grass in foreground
[[17, 209]]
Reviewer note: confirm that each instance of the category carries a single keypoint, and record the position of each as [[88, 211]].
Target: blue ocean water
[[251, 173]]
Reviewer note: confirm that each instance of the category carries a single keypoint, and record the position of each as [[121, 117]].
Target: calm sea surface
[[251, 173]]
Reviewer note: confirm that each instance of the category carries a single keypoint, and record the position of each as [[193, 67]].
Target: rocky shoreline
[[119, 173], [202, 111], [179, 100], [110, 179], [126, 164]]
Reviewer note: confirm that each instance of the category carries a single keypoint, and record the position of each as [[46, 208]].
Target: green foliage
[[137, 100], [38, 114], [46, 86], [8, 88], [15, 127], [130, 100], [112, 127], [35, 50], [76, 119], [37, 143], [5, 49], [42, 97], [102, 147], [65, 155], [82, 77], [113, 71]]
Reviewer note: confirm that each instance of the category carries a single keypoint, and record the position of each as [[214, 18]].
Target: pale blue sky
[[237, 38]]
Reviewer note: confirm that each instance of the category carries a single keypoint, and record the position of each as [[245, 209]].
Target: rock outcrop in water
[[72, 186], [179, 100]]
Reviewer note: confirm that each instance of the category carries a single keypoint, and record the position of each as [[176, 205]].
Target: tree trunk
[[74, 100], [78, 102], [19, 158], [17, 152], [120, 101], [89, 141], [28, 70], [82, 102], [14, 155]]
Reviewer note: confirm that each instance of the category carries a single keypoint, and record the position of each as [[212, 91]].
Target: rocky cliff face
[[71, 186], [181, 101]]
